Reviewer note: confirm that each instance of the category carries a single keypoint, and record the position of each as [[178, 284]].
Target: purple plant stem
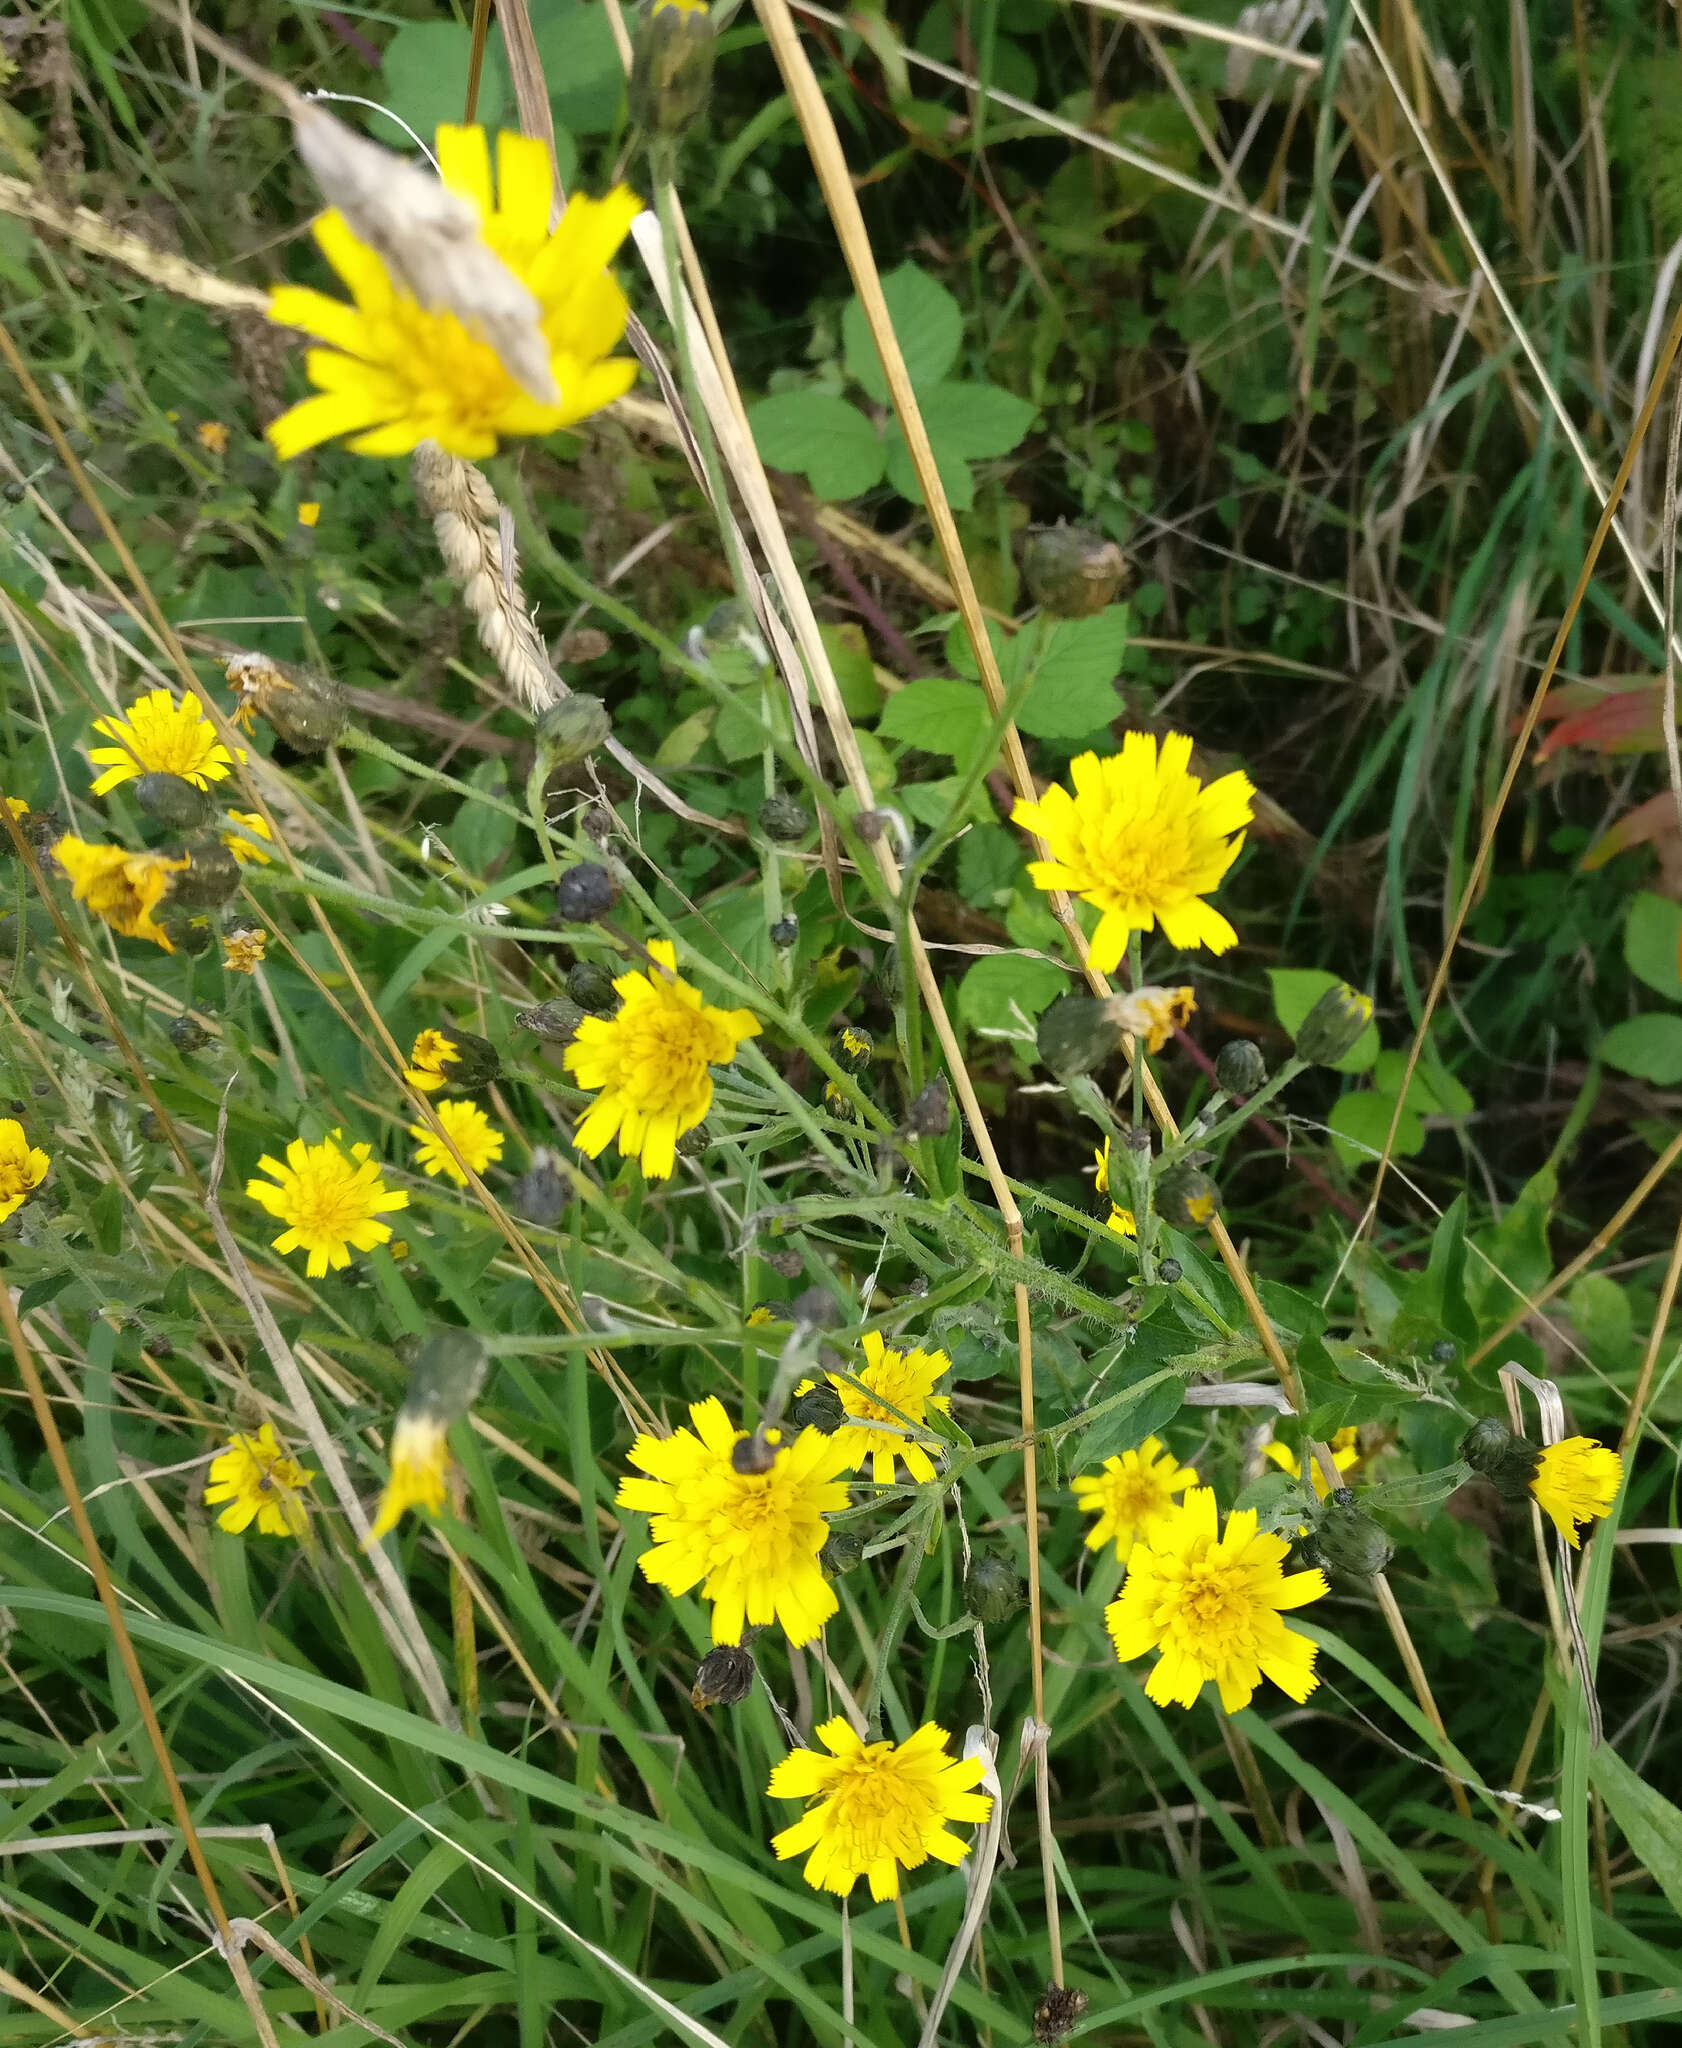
[[842, 570], [348, 33]]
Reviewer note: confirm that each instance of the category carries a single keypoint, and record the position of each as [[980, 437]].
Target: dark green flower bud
[[852, 1049], [724, 1677], [211, 878], [541, 1193], [784, 820], [308, 712], [1329, 1032], [1075, 1036], [840, 1106], [476, 1062], [672, 69], [785, 931], [930, 1113], [841, 1553], [591, 988], [1170, 1272], [448, 1373], [1444, 1351], [1072, 571], [819, 1408], [1061, 2009], [1187, 1198], [173, 800], [692, 1143], [585, 893], [187, 1034], [1508, 1462], [1240, 1068], [556, 1020], [151, 1126], [754, 1455], [187, 934], [1350, 1542], [571, 730], [993, 1589]]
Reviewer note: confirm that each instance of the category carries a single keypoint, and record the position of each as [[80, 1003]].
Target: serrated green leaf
[[990, 863], [855, 672], [1653, 943], [421, 77], [1073, 692], [955, 478], [927, 320], [977, 421], [820, 437], [1433, 1091], [1001, 984], [939, 714], [1360, 1123]]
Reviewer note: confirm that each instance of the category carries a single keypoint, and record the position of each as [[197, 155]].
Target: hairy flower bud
[[1329, 1032], [1508, 1462], [570, 731], [672, 68], [930, 1112], [591, 988], [540, 1195], [187, 1034], [1072, 571], [585, 893], [476, 1063], [841, 1553], [448, 1373], [1349, 1541], [556, 1020], [173, 800], [308, 712], [852, 1049], [785, 931], [1240, 1068], [784, 820], [1061, 2009], [210, 878], [1075, 1036], [819, 1408], [724, 1677], [755, 1454], [993, 1589], [1187, 1198]]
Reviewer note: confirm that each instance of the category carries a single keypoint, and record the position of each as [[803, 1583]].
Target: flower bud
[[151, 1127], [556, 1020], [187, 1034], [1508, 1462], [1329, 1032], [754, 1455], [188, 934], [173, 800], [1061, 2009], [784, 820], [1240, 1068], [724, 1677], [817, 1309], [819, 1408], [476, 1062], [693, 1142], [571, 731], [841, 1553], [210, 878], [591, 988], [1187, 1198], [1075, 1036], [671, 72], [585, 893], [785, 931], [992, 1589], [541, 1193], [1072, 571], [852, 1049], [1349, 1541], [308, 712], [1444, 1352], [448, 1373], [930, 1113], [840, 1106], [1170, 1272]]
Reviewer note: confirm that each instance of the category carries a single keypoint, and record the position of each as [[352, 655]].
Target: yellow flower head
[[246, 948], [749, 1540], [213, 437], [1213, 1605], [472, 1133], [904, 1380], [309, 512], [243, 843], [1128, 1493], [159, 736], [17, 807], [1344, 1456], [329, 1202], [394, 375], [1143, 842], [431, 1053], [1576, 1480], [420, 1465], [650, 1062], [1122, 1221], [121, 887], [260, 1484], [880, 1806], [23, 1166]]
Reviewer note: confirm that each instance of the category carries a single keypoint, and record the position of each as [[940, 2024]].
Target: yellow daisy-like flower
[[1143, 842], [1576, 1480], [160, 736], [1344, 1456], [1128, 1493], [394, 375], [309, 512], [431, 1053], [650, 1061], [903, 1379], [1122, 1221], [420, 1466], [881, 1806], [245, 950], [120, 887], [213, 437], [17, 807], [243, 843], [749, 1540], [261, 1484], [23, 1166], [472, 1133], [1213, 1605], [330, 1202]]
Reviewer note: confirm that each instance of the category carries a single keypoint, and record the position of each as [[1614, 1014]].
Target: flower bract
[[120, 887], [905, 1382], [420, 1465], [1128, 1493], [749, 1540], [23, 1166], [331, 1202], [393, 374], [1576, 1480], [650, 1062], [160, 735], [472, 1133], [1144, 842], [260, 1483], [881, 1807], [1214, 1605]]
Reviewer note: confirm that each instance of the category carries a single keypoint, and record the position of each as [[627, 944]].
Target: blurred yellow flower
[[160, 736], [1576, 1480], [243, 843], [394, 375], [1344, 1457], [213, 437], [309, 512], [245, 950], [420, 1465], [903, 1379], [23, 1166], [472, 1133], [260, 1484], [1122, 1221], [120, 887], [1129, 1492], [329, 1202]]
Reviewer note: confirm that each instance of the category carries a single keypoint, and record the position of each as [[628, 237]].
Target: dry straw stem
[[47, 1423]]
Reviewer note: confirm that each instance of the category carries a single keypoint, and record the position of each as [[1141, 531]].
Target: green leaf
[[1000, 984], [1653, 943], [989, 864], [939, 715], [955, 478], [1073, 692], [1604, 1319], [1436, 1303], [1649, 1046], [1651, 1825], [1295, 992], [1433, 1093], [855, 672], [1149, 1405], [930, 803], [685, 740], [422, 76], [1361, 1122], [975, 420], [581, 63], [928, 321], [820, 437], [1519, 1255]]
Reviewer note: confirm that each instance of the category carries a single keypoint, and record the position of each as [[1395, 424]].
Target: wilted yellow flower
[[473, 1134], [905, 1380], [213, 437], [1143, 842], [881, 1806], [23, 1166], [245, 950], [120, 887], [1576, 1480], [651, 1062], [159, 735], [420, 1465], [243, 843], [261, 1484], [1129, 1492], [394, 375], [431, 1053], [329, 1203]]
